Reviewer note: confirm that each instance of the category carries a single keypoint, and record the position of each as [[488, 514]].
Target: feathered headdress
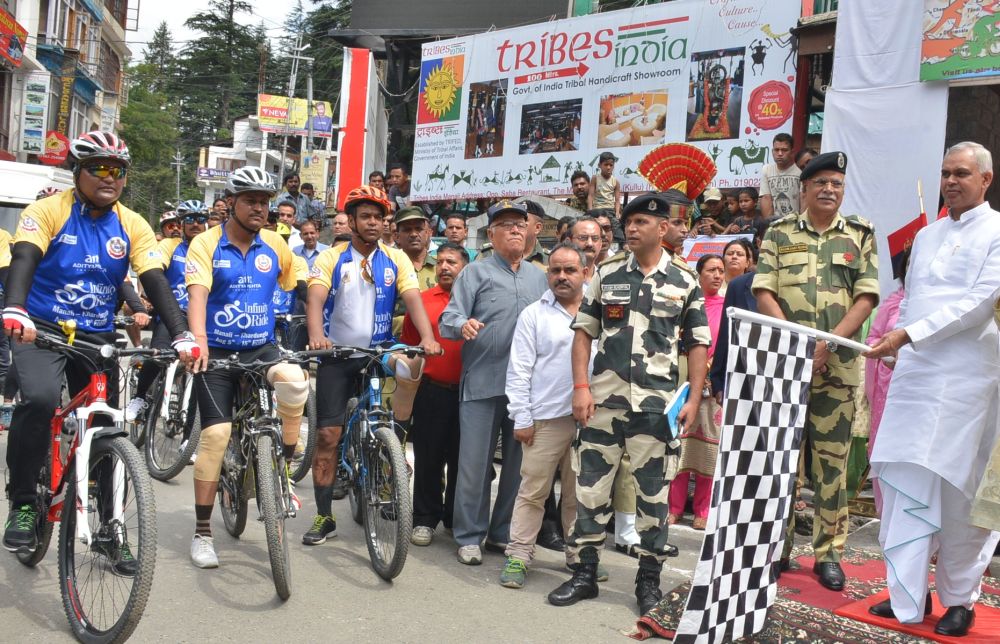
[[680, 166]]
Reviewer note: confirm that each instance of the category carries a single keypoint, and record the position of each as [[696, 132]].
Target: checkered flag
[[770, 368]]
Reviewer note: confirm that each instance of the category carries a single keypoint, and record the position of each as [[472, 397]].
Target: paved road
[[335, 594]]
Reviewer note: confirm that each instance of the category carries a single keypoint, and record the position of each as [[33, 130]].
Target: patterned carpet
[[803, 611]]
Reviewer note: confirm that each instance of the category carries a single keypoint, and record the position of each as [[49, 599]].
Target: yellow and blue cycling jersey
[[174, 251], [84, 259], [284, 301], [240, 287], [6, 241], [362, 298]]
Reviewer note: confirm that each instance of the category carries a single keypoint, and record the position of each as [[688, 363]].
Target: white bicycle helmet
[[192, 206], [250, 179], [100, 145]]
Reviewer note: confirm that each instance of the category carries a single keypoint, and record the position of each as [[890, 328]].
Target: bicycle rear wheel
[[167, 450], [233, 499], [302, 462], [105, 585], [272, 496], [388, 515]]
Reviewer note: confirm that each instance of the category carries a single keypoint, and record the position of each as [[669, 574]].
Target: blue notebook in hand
[[674, 409]]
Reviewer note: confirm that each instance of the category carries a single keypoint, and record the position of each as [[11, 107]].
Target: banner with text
[[518, 111], [960, 40], [273, 116]]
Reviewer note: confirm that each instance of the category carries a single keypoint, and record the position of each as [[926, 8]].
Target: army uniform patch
[[793, 248]]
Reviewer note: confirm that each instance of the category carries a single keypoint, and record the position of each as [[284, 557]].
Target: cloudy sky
[[175, 12]]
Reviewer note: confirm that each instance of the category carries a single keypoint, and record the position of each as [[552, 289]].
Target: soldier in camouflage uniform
[[641, 307], [820, 269]]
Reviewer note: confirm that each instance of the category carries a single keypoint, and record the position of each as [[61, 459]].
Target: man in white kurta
[[940, 420]]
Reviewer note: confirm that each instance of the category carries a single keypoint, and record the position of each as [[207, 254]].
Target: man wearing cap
[[486, 299], [639, 307], [714, 216], [533, 251], [779, 181], [819, 268]]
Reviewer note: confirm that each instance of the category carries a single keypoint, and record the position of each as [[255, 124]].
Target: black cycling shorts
[[336, 382], [217, 389]]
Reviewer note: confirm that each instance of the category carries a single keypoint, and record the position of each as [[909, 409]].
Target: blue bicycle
[[373, 458]]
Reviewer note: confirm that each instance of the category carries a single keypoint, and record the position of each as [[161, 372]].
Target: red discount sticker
[[770, 105]]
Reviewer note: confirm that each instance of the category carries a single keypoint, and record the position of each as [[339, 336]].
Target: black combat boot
[[647, 584], [583, 584]]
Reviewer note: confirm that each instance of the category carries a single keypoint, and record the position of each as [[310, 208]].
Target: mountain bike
[[171, 422], [253, 465], [94, 484], [284, 332], [379, 489]]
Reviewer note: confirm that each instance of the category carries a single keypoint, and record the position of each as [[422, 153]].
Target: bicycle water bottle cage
[[69, 330]]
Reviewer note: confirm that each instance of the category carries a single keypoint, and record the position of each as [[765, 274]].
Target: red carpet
[[985, 631]]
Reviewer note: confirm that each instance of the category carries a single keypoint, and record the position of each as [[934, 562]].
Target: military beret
[[836, 161], [504, 206], [672, 203]]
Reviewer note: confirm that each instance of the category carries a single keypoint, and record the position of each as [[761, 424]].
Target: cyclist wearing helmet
[[232, 272], [170, 225], [356, 284], [71, 254], [174, 254]]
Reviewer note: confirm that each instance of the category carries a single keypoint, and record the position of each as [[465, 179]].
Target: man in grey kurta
[[485, 302]]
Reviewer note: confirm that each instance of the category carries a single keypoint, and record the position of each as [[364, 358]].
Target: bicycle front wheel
[[388, 515], [171, 441], [43, 527], [105, 585], [273, 497]]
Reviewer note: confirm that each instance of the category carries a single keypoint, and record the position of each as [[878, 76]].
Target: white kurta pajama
[[940, 419]]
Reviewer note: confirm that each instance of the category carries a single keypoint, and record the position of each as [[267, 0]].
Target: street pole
[[309, 106], [288, 109], [178, 163]]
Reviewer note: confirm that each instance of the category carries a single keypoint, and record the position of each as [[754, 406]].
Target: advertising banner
[[961, 39], [272, 114], [66, 78], [518, 111], [35, 112], [12, 39], [696, 247], [315, 169]]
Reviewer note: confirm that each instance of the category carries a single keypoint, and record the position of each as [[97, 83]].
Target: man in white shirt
[[940, 419], [539, 390], [779, 181]]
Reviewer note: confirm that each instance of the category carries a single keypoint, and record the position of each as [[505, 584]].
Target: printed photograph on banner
[[484, 128], [715, 98], [636, 118], [551, 127], [960, 40], [440, 89]]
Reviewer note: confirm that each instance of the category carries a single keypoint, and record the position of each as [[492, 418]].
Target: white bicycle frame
[[185, 398], [82, 415]]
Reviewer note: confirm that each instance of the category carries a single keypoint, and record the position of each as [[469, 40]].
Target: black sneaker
[[20, 531], [322, 527], [119, 556]]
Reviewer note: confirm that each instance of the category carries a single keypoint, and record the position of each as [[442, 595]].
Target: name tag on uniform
[[793, 248], [616, 293]]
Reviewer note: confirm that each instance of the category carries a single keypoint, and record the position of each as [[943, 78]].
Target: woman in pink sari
[[700, 443]]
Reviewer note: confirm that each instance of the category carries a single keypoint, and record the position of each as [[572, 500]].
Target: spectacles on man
[[586, 238], [510, 225], [105, 171], [195, 219], [835, 184]]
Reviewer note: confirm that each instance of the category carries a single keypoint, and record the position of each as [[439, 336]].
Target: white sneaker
[[422, 536], [470, 555], [135, 407], [203, 552]]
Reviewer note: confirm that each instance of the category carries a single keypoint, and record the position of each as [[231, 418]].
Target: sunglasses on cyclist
[[105, 171], [195, 219]]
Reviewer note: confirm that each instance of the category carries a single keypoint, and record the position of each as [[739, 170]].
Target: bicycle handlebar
[[299, 356], [104, 350]]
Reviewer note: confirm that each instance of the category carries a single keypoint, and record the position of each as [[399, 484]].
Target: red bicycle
[[95, 485]]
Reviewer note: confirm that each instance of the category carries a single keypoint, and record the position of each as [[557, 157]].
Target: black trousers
[[40, 376], [434, 434]]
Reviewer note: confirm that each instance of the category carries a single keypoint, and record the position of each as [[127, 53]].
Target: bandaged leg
[[211, 446], [408, 373], [291, 389]]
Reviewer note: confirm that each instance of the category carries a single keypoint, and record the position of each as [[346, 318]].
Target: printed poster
[[35, 112], [273, 116], [517, 111], [961, 39]]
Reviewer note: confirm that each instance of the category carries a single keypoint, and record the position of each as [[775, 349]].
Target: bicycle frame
[[185, 397], [91, 400], [253, 417], [369, 408]]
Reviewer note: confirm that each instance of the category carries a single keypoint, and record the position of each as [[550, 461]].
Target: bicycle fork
[[82, 417]]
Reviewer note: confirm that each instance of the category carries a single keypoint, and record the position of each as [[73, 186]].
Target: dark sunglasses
[[195, 219], [104, 171]]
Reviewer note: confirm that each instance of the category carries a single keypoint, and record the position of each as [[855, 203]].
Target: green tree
[[160, 60]]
